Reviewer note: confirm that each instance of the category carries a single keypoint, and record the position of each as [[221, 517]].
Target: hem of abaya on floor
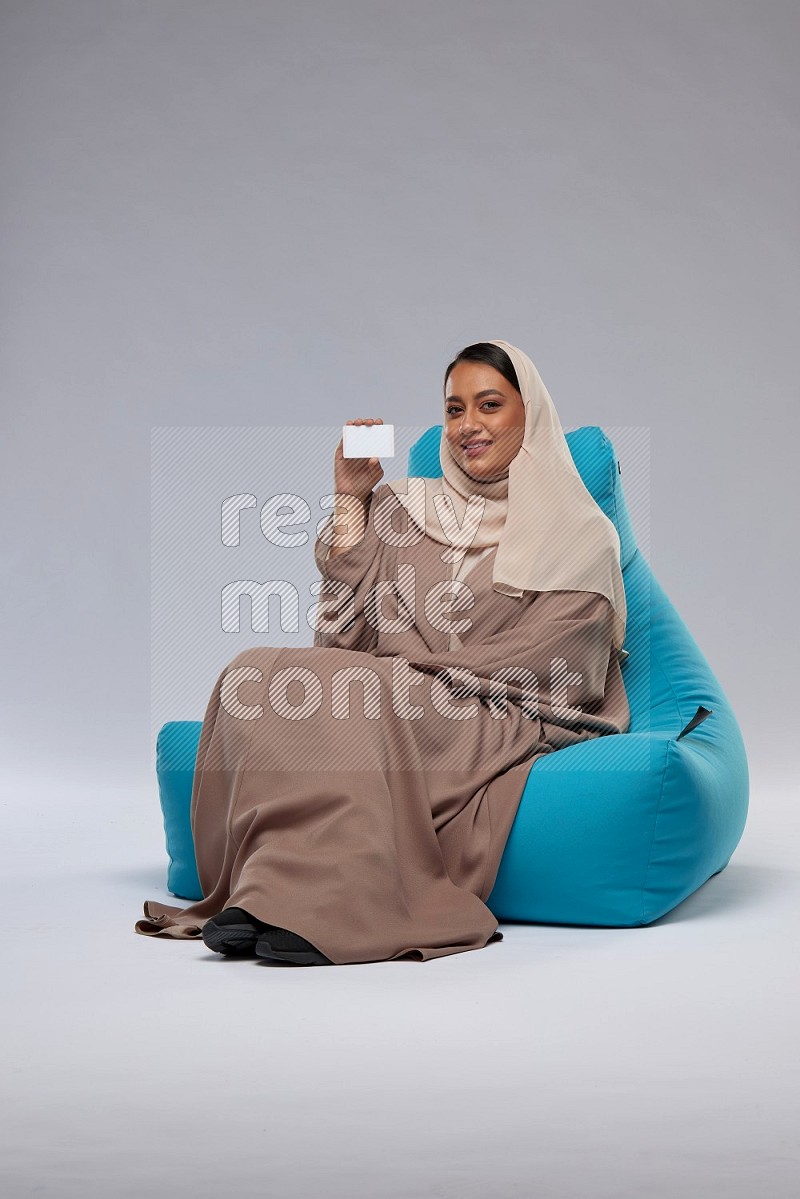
[[160, 921]]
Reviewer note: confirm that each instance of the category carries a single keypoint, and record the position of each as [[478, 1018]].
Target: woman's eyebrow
[[478, 396]]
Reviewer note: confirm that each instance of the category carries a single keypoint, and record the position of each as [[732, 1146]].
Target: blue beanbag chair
[[614, 831]]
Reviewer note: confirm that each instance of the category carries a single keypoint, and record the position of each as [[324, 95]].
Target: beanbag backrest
[[616, 831]]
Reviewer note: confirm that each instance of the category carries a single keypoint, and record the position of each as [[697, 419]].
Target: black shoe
[[285, 946], [233, 930]]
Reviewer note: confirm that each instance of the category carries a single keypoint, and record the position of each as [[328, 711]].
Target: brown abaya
[[376, 830]]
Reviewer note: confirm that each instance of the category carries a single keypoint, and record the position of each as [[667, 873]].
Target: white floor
[[558, 1063]]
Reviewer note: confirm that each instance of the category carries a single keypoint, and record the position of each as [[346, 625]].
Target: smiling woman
[[327, 833], [484, 411]]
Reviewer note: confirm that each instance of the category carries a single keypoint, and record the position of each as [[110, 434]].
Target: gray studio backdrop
[[285, 215]]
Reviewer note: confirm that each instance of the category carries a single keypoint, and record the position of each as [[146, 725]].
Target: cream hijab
[[549, 532]]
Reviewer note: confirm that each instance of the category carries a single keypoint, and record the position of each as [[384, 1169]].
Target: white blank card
[[368, 441]]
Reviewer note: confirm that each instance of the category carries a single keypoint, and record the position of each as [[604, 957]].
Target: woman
[[336, 823]]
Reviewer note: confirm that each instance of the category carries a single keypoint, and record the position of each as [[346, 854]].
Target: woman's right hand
[[356, 476]]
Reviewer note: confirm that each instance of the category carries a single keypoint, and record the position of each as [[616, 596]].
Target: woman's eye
[[453, 411]]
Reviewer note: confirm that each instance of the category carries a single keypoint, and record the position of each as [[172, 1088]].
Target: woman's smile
[[474, 448]]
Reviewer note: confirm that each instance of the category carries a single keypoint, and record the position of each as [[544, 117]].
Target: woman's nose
[[469, 427]]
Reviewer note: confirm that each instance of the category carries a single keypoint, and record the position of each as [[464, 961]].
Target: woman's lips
[[476, 451]]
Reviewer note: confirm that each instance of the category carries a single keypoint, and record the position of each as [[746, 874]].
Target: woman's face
[[482, 407]]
